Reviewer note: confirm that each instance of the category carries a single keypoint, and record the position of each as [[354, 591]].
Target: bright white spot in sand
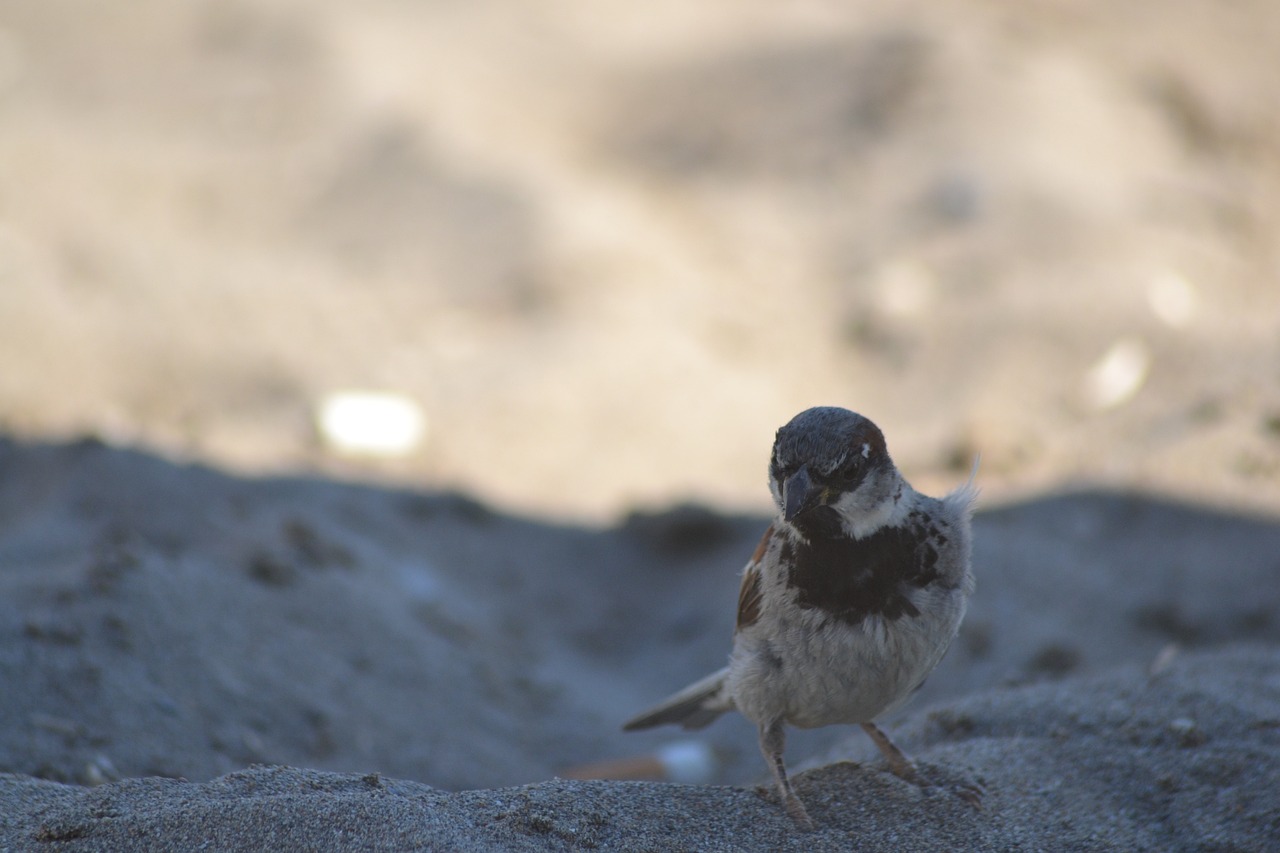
[[371, 423], [1172, 298], [1118, 375], [689, 762]]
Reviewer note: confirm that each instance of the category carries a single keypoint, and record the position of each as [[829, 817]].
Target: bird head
[[830, 471]]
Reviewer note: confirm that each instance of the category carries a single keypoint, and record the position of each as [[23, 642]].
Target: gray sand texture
[[164, 623]]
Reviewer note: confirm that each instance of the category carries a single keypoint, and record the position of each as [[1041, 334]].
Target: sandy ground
[[606, 251], [1185, 760], [159, 620]]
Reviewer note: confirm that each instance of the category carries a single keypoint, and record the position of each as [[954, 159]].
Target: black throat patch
[[851, 579]]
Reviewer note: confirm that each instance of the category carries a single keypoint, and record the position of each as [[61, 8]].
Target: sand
[[599, 253], [1187, 759], [164, 622]]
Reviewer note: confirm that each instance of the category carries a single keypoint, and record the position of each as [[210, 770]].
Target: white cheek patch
[[866, 451], [865, 510]]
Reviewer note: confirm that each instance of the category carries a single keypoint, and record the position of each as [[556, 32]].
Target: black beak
[[799, 494]]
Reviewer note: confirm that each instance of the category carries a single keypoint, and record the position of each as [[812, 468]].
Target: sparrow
[[852, 597]]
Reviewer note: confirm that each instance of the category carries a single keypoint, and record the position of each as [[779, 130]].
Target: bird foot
[[904, 768], [969, 792], [797, 812]]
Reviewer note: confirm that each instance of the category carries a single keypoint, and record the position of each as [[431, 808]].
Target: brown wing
[[749, 596]]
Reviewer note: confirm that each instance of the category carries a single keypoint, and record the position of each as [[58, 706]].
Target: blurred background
[[589, 256]]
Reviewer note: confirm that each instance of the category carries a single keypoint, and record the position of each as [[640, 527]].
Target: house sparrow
[[848, 603]]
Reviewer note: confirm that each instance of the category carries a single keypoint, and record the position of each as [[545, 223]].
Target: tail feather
[[693, 707], [964, 497]]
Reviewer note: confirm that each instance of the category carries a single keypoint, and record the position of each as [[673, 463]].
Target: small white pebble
[[1189, 734], [690, 762], [100, 771], [1118, 375], [1172, 298], [371, 423], [1164, 659]]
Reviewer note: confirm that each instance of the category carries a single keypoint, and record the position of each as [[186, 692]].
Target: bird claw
[[792, 805], [969, 792], [798, 813]]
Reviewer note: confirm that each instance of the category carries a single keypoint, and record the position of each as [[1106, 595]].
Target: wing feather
[[750, 595]]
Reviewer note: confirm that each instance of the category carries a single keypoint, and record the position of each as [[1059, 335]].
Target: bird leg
[[772, 743], [903, 768], [899, 764]]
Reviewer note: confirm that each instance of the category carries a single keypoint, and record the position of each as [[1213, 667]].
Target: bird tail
[[693, 707], [965, 497]]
